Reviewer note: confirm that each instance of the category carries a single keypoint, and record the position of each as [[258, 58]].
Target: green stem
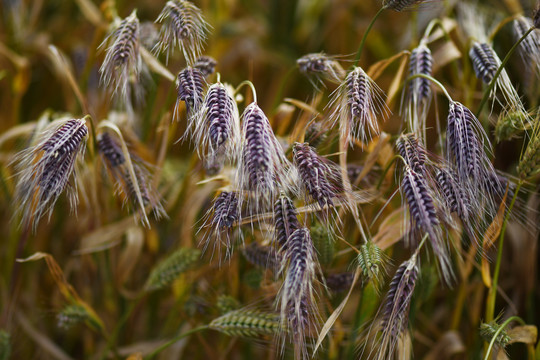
[[361, 47], [492, 294], [250, 84], [499, 70], [498, 332], [174, 340], [435, 81]]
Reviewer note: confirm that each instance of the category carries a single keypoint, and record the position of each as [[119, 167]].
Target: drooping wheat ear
[[319, 178], [261, 160], [123, 61], [183, 25], [168, 270], [45, 169], [226, 303], [248, 323], [220, 220], [71, 315], [358, 103], [465, 145], [264, 257], [319, 66], [530, 47], [510, 123], [285, 222], [395, 311], [417, 193], [300, 264], [115, 161], [218, 130], [339, 282], [190, 84], [419, 90], [485, 64], [529, 164], [371, 261], [413, 151], [206, 65], [323, 243], [455, 195], [485, 61], [400, 5], [488, 331]]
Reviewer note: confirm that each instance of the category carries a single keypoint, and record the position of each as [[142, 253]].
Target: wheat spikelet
[[413, 151], [319, 178], [323, 243], [529, 163], [319, 66], [218, 127], [206, 65], [168, 270], [247, 323], [530, 47], [371, 261], [285, 221], [190, 84], [358, 103], [417, 193], [456, 197], [264, 257], [183, 26], [339, 282], [488, 331], [466, 146], [485, 61], [419, 90], [395, 308], [123, 65], [226, 303], [400, 5], [71, 315], [510, 123], [115, 161], [220, 220], [261, 160], [45, 169]]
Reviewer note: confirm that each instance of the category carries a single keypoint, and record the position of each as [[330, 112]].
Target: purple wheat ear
[[46, 168], [400, 5]]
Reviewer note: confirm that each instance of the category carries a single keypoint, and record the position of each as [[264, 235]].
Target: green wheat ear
[[371, 261], [171, 267], [5, 345], [248, 323], [488, 331], [72, 315], [227, 303], [323, 244]]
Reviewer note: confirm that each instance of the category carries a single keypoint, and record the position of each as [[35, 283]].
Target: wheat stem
[[490, 305], [361, 47], [499, 71], [250, 84], [435, 81], [499, 331]]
